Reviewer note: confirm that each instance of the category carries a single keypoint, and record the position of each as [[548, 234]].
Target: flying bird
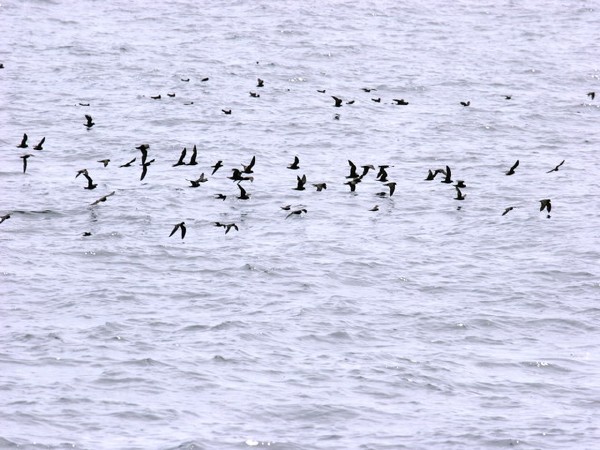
[[39, 146], [243, 194], [506, 211], [366, 170], [382, 174], [91, 185], [145, 168], [104, 161], [295, 165], [81, 172], [171, 94], [369, 89], [431, 175], [220, 197], [226, 111], [296, 212], [353, 173], [459, 194], [193, 158], [23, 143], [400, 101], [545, 204], [301, 183], [448, 174], [512, 169], [102, 199], [352, 183], [375, 208], [4, 217], [320, 186], [156, 97], [248, 168], [180, 226], [229, 226], [592, 95], [217, 166], [128, 164], [254, 94], [201, 179], [338, 101], [556, 168], [466, 103], [25, 157], [181, 157], [90, 122], [376, 100], [260, 83]]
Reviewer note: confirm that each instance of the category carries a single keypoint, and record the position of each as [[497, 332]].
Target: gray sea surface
[[431, 323]]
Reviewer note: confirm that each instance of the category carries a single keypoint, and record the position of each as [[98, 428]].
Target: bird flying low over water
[[448, 174], [4, 217], [102, 199], [400, 101], [201, 179], [466, 103], [40, 145], [25, 157], [511, 171], [171, 94], [545, 204], [296, 212], [301, 183], [392, 186], [295, 165], [217, 166], [248, 168], [459, 194], [128, 164], [375, 208], [221, 197], [180, 226], [260, 83], [352, 183], [91, 185], [193, 158], [81, 172], [460, 184], [376, 100], [320, 186], [254, 94], [156, 97], [431, 175], [104, 161], [353, 172], [90, 122], [382, 174], [338, 101], [181, 157], [507, 210], [23, 143], [556, 168], [592, 95], [145, 168], [226, 111], [243, 194]]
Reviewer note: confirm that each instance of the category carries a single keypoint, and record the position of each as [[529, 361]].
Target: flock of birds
[[244, 173]]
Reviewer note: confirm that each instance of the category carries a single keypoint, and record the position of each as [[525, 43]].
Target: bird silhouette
[[295, 165], [301, 183], [180, 226], [90, 122], [400, 101], [592, 95], [506, 211], [248, 168], [556, 168], [459, 194], [545, 204], [193, 158], [91, 185], [296, 213], [104, 161], [102, 199], [320, 186], [128, 164], [25, 157], [145, 169], [338, 101], [243, 194], [260, 83], [23, 143], [181, 158], [40, 145], [511, 171], [466, 103], [217, 166]]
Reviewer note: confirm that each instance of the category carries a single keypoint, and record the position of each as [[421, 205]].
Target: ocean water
[[431, 323]]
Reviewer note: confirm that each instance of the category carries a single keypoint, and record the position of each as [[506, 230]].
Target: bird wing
[[174, 230], [242, 190], [183, 230], [515, 165]]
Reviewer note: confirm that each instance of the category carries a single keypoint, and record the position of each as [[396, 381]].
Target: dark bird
[[248, 168], [286, 207], [448, 174], [128, 164], [295, 165], [201, 179], [321, 91], [260, 83], [229, 226], [254, 94], [320, 186], [84, 104], [193, 158], [4, 217], [366, 169], [512, 169], [350, 102], [39, 146], [185, 79], [23, 143], [459, 194], [145, 169], [144, 149], [353, 173], [431, 175], [382, 174], [25, 157], [507, 97], [301, 183], [338, 101], [171, 94], [91, 185], [556, 168], [156, 97], [104, 161], [217, 166], [392, 187], [90, 122], [181, 158], [205, 79], [466, 103], [510, 208], [352, 183], [226, 111], [179, 226], [243, 194], [220, 197], [81, 172], [376, 100], [236, 175], [400, 101], [592, 95], [86, 233], [102, 199], [368, 90], [545, 204], [336, 117], [460, 184], [375, 208], [296, 212]]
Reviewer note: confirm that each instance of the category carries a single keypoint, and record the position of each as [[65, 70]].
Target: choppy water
[[420, 326]]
